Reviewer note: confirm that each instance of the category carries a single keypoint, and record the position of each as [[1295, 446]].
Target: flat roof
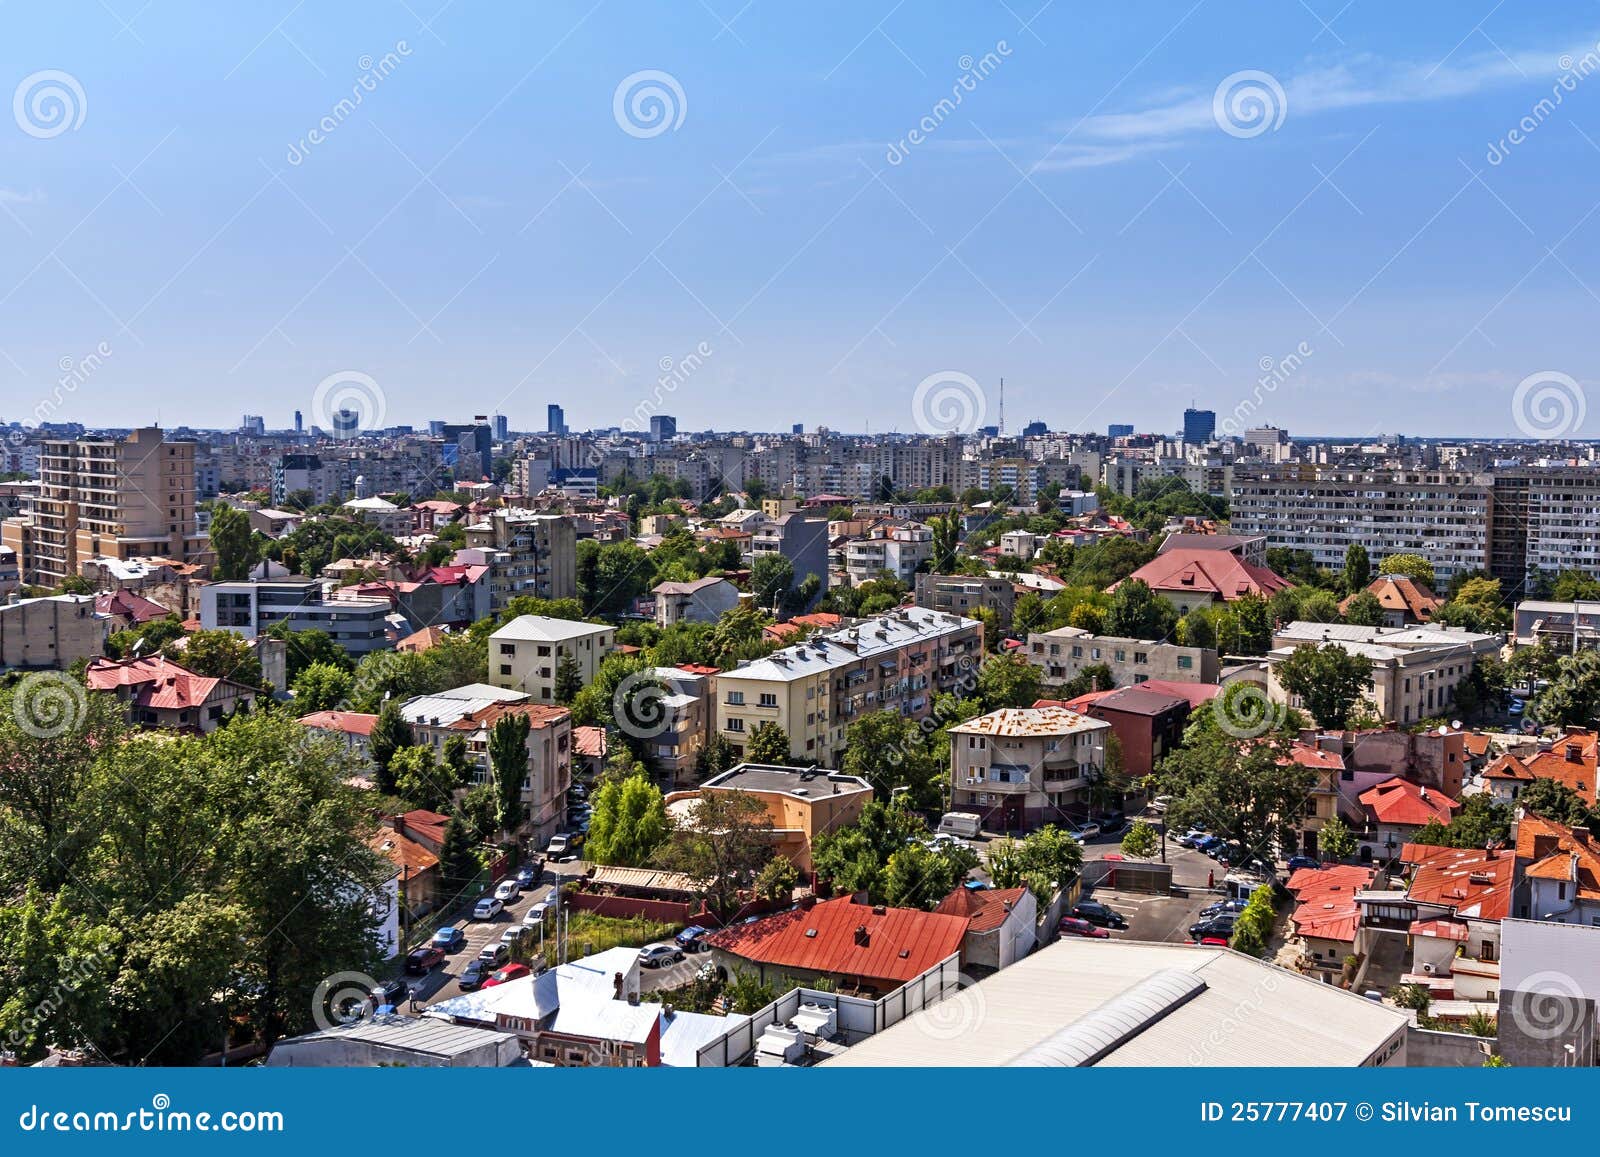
[[1243, 1012], [795, 781]]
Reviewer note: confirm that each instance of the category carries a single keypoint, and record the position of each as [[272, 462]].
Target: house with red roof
[[353, 728], [1453, 905], [1000, 924], [1395, 810], [1558, 872], [416, 869], [864, 949], [1571, 761], [1405, 601], [126, 609], [1192, 579], [161, 693], [1506, 777], [1326, 916]]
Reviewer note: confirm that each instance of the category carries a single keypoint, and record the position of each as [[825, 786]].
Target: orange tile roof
[[1215, 572], [347, 722], [901, 943], [422, 640], [402, 852], [157, 682], [1508, 766], [539, 715], [1327, 906], [429, 825], [985, 909], [590, 741], [1570, 760], [1398, 593], [1547, 850], [1475, 883], [1399, 801]]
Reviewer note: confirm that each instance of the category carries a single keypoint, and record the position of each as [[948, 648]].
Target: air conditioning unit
[[1427, 967]]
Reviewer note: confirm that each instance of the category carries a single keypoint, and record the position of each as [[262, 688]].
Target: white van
[[968, 825]]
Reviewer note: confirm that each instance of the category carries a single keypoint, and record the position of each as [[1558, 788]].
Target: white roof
[[449, 706], [1038, 722], [683, 1034], [1124, 1003], [1395, 638], [381, 505], [544, 629], [838, 648]]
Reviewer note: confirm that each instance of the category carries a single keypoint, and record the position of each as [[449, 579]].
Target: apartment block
[[813, 690], [528, 553], [253, 607], [52, 632], [1062, 654], [1020, 768], [525, 654], [897, 550], [961, 594]]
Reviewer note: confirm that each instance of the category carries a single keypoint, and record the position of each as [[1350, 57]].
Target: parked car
[[421, 961], [1516, 707], [1205, 843], [508, 891], [1298, 862], [939, 841], [1192, 837], [1083, 832], [497, 953], [509, 972], [538, 913], [474, 975], [391, 992], [692, 938], [1216, 926], [451, 939], [1098, 914], [561, 845], [1073, 926], [1113, 825], [488, 908], [659, 955], [1213, 941], [1222, 907], [528, 875], [512, 936]]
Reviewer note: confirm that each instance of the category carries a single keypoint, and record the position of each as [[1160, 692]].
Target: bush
[[1254, 927], [588, 933]]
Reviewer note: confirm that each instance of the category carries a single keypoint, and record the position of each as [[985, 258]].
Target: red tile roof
[[1508, 766], [1399, 801], [1473, 882], [1195, 693], [590, 741], [1547, 850], [158, 683], [985, 909], [539, 715], [1327, 906], [1314, 757], [127, 605], [1439, 929], [346, 722], [429, 825], [403, 853], [422, 640], [900, 942], [1398, 593], [1570, 760], [1214, 572]]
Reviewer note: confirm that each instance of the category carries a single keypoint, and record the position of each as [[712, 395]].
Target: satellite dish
[[1455, 725]]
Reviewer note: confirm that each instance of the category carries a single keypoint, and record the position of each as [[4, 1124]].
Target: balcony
[[995, 786]]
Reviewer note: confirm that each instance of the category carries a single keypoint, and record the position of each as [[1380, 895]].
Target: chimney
[[863, 937]]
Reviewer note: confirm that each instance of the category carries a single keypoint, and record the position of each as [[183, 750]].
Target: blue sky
[[481, 234]]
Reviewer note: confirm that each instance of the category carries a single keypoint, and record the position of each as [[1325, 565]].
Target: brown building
[[801, 802], [1148, 725]]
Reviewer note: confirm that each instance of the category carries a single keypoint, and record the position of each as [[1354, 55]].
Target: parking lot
[[440, 984]]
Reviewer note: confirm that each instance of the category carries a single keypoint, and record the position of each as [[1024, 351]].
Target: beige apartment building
[[53, 632], [118, 498], [525, 654], [527, 553], [1061, 654], [801, 802], [1022, 767], [813, 690]]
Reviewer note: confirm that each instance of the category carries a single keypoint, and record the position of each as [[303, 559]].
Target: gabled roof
[[422, 640], [985, 908], [1508, 766], [429, 825], [1214, 572], [899, 943], [1570, 760], [1399, 801], [347, 722], [538, 715], [1547, 850], [1396, 592], [589, 741], [402, 852], [157, 682], [1312, 756], [1029, 721], [679, 588], [126, 604], [1475, 883], [1326, 897]]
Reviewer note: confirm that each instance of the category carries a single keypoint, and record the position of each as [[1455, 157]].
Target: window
[[735, 725], [1185, 662], [505, 668], [508, 648], [736, 698], [768, 699]]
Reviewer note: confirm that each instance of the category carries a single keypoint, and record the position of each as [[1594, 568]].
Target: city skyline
[[834, 210]]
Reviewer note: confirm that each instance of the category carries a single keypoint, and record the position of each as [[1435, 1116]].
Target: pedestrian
[[1211, 878]]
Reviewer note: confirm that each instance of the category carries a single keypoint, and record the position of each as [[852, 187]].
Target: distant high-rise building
[[798, 428], [436, 428], [299, 423], [1118, 430], [1199, 426], [1035, 430], [254, 424], [502, 428], [663, 427], [555, 419]]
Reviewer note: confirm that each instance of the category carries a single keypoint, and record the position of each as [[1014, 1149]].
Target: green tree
[[1137, 612], [946, 540], [917, 876], [459, 862], [1573, 696], [769, 744], [1336, 841], [771, 577], [389, 734], [1251, 791], [1008, 681], [321, 687], [1253, 929], [1412, 566], [1553, 800], [629, 822], [891, 751], [1319, 607], [1357, 568], [776, 881], [303, 648], [1364, 610], [1480, 822], [716, 757], [1141, 841], [218, 655], [1028, 615], [721, 844], [1253, 615], [232, 541], [1329, 680], [852, 859], [455, 762], [418, 779], [508, 760], [569, 679], [1044, 860]]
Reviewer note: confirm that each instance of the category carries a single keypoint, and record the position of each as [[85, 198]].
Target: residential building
[[1326, 915], [1023, 767], [381, 513], [1063, 654], [397, 1042], [1079, 1003], [801, 540], [528, 553], [252, 607], [1570, 760], [702, 601], [862, 949], [1001, 925], [1247, 548], [527, 652], [1148, 725], [1405, 601], [305, 472], [1192, 579], [122, 498], [1450, 913], [416, 874], [52, 632], [1199, 426], [164, 694], [673, 725], [1415, 670], [894, 550], [801, 802], [1565, 627], [1395, 810], [1558, 872], [814, 689], [960, 594], [10, 571], [352, 728]]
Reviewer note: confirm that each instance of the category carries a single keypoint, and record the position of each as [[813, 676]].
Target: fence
[[629, 907], [1132, 875], [858, 1017]]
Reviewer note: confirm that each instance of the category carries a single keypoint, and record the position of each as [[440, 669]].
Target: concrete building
[[675, 725], [1148, 725], [703, 601], [1415, 670], [960, 594], [400, 1042], [525, 653], [814, 689], [896, 550], [1549, 994], [51, 633], [801, 802], [801, 540], [528, 553], [305, 472], [1061, 655], [1022, 767], [122, 498], [1566, 627], [253, 607]]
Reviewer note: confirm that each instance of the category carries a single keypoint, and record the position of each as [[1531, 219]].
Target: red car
[[423, 960], [1213, 942], [509, 972], [1073, 926]]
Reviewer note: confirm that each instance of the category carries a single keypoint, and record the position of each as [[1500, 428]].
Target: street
[[440, 984]]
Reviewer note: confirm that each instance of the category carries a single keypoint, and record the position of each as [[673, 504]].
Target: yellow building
[[802, 803]]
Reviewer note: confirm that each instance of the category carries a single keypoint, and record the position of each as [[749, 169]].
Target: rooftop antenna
[[1002, 405]]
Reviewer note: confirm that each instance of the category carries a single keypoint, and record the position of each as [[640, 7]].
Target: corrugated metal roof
[[900, 942]]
